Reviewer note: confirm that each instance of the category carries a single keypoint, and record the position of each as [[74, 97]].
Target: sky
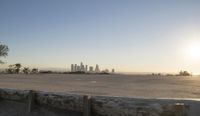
[[128, 35]]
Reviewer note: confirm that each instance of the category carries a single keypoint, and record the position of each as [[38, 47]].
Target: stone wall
[[37, 103], [118, 106]]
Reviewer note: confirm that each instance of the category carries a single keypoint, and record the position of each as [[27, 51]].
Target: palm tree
[[3, 51]]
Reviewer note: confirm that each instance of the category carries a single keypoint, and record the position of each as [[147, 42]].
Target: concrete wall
[[37, 103], [119, 106]]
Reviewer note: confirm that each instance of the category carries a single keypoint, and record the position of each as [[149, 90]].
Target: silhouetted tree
[[184, 73], [17, 67], [10, 69], [3, 51], [34, 70], [26, 70]]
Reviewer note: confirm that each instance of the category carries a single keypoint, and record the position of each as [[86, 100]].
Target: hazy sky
[[129, 35]]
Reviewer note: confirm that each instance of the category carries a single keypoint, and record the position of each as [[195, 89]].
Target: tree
[[3, 51], [184, 73], [11, 69], [34, 70], [26, 70], [17, 67]]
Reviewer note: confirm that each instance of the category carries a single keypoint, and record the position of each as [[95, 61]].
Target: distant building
[[75, 68], [72, 68], [82, 67], [78, 68], [91, 69], [86, 68]]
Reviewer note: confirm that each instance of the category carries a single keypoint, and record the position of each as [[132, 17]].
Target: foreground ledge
[[38, 103]]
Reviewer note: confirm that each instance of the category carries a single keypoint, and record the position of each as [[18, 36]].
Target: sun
[[194, 51]]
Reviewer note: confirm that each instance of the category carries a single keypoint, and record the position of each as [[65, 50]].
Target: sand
[[107, 85]]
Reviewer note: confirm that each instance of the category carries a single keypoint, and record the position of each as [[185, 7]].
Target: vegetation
[[77, 72], [26, 70], [16, 69], [46, 72], [10, 69], [34, 71], [184, 73], [3, 51]]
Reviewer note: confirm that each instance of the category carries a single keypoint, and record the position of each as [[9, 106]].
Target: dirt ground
[[108, 85]]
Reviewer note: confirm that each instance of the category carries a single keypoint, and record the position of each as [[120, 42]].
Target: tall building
[[72, 68], [97, 70], [86, 68], [78, 68], [75, 67], [82, 67], [91, 69]]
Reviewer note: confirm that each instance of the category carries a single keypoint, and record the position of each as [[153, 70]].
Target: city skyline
[[89, 68], [131, 36]]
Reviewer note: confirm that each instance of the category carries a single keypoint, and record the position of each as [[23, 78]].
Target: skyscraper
[[82, 67], [72, 68], [75, 68], [86, 68], [91, 69], [78, 68]]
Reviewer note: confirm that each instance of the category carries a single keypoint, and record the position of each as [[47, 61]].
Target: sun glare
[[194, 51]]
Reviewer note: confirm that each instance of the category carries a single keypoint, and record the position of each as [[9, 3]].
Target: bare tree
[[3, 51]]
